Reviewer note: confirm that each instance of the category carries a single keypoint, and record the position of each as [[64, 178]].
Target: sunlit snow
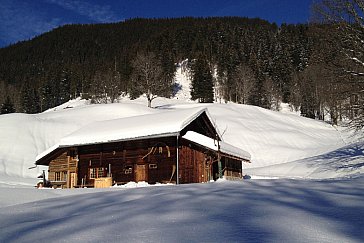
[[324, 203]]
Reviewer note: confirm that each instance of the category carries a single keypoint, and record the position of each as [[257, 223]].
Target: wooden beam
[[68, 172], [177, 162]]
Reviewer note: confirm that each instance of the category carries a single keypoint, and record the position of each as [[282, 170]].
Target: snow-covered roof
[[160, 124], [144, 126], [212, 144]]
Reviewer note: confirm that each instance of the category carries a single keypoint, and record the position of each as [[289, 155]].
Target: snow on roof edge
[[121, 140], [198, 113], [59, 145], [47, 151], [213, 123], [224, 147]]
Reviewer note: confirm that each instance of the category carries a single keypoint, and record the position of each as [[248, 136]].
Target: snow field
[[272, 138], [282, 145], [252, 210]]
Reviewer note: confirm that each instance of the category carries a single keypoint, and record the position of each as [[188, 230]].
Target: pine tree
[[202, 82], [63, 93], [7, 107], [30, 99]]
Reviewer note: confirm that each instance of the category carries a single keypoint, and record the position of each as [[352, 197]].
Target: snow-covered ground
[[248, 211], [270, 137], [326, 208], [281, 143]]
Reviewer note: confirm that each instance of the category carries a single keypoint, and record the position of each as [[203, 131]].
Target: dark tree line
[[248, 61]]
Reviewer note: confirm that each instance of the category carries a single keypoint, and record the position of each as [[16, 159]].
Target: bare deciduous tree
[[148, 76], [272, 94], [245, 81], [347, 16]]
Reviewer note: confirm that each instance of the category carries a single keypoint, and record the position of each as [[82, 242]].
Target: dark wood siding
[[158, 156], [152, 160], [201, 125], [192, 165]]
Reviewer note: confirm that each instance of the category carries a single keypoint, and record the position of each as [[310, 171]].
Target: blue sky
[[24, 19]]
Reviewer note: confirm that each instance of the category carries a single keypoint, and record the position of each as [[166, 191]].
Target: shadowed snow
[[258, 211]]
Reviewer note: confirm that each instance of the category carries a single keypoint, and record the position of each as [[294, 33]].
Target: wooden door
[[141, 173], [73, 180]]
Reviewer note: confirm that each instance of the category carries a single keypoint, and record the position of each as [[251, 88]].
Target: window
[[65, 175], [57, 176], [128, 170], [100, 172], [153, 166], [97, 172]]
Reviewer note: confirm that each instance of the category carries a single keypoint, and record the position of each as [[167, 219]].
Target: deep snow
[[270, 137], [248, 211], [283, 141], [282, 145]]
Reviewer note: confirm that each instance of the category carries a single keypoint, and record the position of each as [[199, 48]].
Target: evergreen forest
[[247, 61]]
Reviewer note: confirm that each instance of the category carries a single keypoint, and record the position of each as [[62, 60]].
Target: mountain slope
[[271, 137], [346, 161]]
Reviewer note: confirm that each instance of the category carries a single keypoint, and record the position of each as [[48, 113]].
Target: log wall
[[66, 167], [152, 160], [192, 165]]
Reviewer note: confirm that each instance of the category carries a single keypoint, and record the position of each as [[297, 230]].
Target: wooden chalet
[[180, 146]]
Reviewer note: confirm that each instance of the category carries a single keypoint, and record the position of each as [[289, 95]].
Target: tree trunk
[[149, 102]]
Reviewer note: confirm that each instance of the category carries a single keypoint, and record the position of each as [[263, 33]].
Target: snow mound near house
[[347, 161]]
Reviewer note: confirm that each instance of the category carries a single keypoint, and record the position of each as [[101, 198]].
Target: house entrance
[[73, 181], [141, 173]]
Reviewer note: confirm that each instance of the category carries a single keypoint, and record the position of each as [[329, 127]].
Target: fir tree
[[30, 99], [7, 107], [202, 82]]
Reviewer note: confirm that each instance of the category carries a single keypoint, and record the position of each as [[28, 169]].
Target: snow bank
[[347, 161]]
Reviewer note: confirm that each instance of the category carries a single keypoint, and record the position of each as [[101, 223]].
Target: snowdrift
[[347, 161]]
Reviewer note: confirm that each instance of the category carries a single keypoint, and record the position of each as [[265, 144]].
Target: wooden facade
[[150, 160], [63, 170], [153, 160]]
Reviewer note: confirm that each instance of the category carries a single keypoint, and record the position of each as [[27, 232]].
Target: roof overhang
[[55, 150], [226, 149], [164, 124]]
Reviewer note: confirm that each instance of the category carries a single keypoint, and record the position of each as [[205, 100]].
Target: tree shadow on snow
[[346, 159], [259, 211]]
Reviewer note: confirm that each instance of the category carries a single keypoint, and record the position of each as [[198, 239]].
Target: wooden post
[[109, 172], [219, 158], [68, 173], [177, 162]]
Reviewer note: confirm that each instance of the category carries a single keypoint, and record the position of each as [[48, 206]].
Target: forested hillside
[[243, 60]]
